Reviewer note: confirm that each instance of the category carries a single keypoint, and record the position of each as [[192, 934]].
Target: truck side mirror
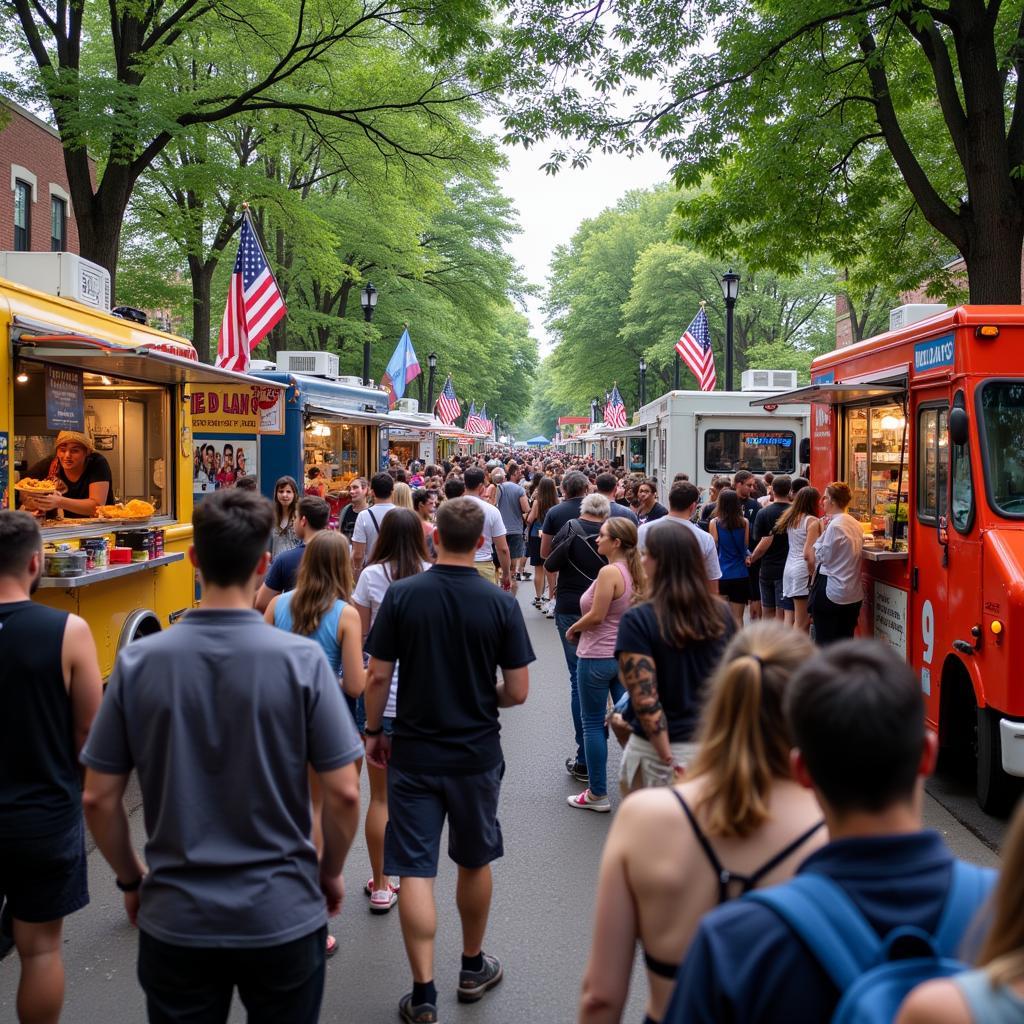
[[805, 450], [959, 425]]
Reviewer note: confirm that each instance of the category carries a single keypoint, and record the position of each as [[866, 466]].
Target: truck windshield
[[1002, 408]]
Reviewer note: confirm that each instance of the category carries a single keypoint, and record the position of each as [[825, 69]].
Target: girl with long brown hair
[[544, 497], [666, 648], [286, 503], [319, 608], [738, 822], [731, 533], [802, 527], [602, 605], [400, 552]]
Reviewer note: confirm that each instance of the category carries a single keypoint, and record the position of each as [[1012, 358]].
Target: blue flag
[[403, 368]]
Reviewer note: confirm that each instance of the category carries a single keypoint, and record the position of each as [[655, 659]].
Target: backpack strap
[[969, 887], [828, 923]]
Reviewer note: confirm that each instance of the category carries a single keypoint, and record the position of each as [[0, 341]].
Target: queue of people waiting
[[775, 786]]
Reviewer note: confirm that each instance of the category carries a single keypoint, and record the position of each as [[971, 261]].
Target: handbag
[[815, 587]]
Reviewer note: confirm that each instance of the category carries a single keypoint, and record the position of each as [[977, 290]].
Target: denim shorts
[[417, 807], [772, 596], [358, 708], [45, 878]]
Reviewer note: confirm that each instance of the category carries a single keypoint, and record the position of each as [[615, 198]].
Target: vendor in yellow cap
[[83, 471]]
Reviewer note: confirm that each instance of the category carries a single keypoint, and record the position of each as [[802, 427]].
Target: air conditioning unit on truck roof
[[313, 364], [904, 316], [768, 380], [59, 273]]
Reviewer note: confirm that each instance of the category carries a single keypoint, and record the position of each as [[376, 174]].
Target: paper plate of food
[[134, 509]]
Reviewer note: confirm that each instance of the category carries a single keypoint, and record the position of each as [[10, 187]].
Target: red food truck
[[926, 425]]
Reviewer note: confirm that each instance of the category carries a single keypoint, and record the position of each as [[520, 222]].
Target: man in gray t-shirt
[[221, 716], [512, 503]]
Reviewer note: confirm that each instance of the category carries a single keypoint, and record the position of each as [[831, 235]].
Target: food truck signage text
[[238, 409], [890, 617], [65, 398], [934, 353], [769, 440]]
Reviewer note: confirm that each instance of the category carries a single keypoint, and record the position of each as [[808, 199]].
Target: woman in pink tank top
[[602, 605]]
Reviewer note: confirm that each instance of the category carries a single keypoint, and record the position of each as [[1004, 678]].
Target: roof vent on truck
[[59, 273], [768, 380], [904, 316], [313, 364]]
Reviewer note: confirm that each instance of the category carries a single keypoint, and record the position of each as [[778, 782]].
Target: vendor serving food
[[84, 473]]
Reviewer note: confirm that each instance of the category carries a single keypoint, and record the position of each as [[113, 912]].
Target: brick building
[[35, 209]]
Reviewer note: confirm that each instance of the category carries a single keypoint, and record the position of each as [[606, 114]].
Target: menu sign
[[65, 398], [238, 409]]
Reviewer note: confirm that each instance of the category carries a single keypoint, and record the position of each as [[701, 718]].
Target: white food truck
[[708, 433]]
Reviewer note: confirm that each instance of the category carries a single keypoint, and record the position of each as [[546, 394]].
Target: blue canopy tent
[[538, 442]]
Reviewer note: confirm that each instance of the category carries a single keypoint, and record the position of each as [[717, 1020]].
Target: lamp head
[[368, 296], [432, 360], [730, 285]]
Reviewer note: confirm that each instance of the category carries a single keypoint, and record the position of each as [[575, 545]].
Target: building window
[[58, 224], [22, 216]]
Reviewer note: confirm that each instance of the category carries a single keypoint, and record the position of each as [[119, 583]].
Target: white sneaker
[[588, 802], [549, 611]]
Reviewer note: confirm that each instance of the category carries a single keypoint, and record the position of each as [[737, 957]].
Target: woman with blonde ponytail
[[738, 822], [617, 585]]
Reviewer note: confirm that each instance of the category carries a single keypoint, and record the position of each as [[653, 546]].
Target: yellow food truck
[[124, 390]]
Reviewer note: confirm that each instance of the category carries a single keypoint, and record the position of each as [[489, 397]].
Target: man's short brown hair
[[460, 523]]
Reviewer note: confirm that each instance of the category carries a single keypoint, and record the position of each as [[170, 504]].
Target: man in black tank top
[[50, 688]]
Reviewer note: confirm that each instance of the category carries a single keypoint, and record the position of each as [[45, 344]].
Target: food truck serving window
[[725, 451], [932, 463], [875, 450], [1002, 411], [341, 451], [127, 423]]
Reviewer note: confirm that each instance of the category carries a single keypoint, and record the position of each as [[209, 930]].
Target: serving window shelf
[[109, 573]]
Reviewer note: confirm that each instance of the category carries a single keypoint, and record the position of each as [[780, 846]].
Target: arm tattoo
[[640, 678]]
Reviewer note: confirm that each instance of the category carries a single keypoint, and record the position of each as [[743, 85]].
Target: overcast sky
[[552, 207]]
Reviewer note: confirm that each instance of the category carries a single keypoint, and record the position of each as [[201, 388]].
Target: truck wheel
[[996, 791], [141, 622]]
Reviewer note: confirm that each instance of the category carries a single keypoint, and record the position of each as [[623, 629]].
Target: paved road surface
[[540, 919]]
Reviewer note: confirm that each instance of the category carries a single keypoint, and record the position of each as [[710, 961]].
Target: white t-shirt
[[838, 551], [704, 539], [494, 526], [365, 532], [371, 587]]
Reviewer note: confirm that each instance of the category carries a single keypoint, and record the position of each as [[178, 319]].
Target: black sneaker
[[473, 984], [425, 1013], [576, 770]]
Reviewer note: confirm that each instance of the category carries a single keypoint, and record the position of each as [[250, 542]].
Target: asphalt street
[[540, 918]]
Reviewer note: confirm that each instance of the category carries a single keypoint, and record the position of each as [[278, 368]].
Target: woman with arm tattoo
[[667, 647]]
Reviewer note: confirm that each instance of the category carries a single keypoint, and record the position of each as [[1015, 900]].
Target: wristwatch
[[129, 886], [367, 731]]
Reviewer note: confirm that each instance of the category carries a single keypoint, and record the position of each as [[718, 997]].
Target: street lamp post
[[593, 409], [368, 299], [643, 382], [730, 289], [432, 363], [677, 359]]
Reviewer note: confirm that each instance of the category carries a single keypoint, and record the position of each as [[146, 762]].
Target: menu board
[[65, 398]]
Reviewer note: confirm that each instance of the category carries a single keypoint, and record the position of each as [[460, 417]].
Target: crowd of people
[[772, 767]]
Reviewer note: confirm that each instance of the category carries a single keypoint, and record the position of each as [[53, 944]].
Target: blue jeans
[[562, 623], [596, 677]]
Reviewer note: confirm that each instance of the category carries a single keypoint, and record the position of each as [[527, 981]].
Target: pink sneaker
[[383, 900], [395, 886], [588, 802]]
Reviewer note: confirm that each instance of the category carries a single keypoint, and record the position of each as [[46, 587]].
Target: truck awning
[[326, 412], [144, 364], [833, 394]]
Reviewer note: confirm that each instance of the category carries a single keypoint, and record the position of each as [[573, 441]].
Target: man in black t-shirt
[[772, 549], [449, 630], [743, 484]]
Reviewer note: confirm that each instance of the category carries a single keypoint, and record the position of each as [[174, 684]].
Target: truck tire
[[996, 791], [141, 622]]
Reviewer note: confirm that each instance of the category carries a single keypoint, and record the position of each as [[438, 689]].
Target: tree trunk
[[202, 279], [994, 260]]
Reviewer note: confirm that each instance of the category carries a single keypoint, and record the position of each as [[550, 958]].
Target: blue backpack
[[875, 975]]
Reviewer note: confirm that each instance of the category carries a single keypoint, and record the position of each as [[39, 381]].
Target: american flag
[[474, 425], [448, 407], [695, 349], [615, 409], [485, 424], [255, 303]]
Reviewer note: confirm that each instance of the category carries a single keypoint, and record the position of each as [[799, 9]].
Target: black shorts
[[45, 878], [735, 591], [417, 807], [754, 590], [535, 558]]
